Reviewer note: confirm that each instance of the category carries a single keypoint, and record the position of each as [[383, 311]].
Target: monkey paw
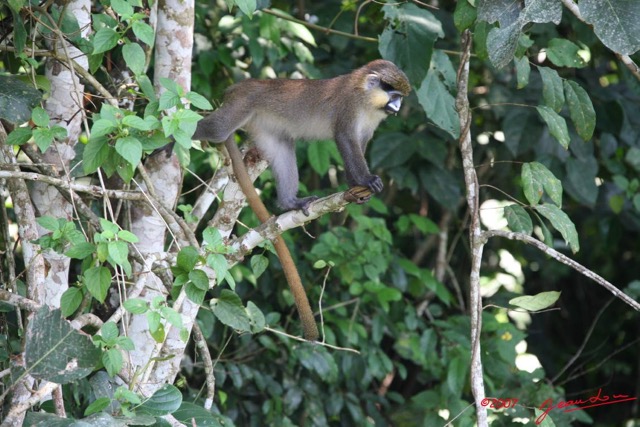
[[298, 204], [373, 183]]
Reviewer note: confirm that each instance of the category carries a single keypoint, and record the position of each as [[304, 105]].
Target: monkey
[[276, 113]]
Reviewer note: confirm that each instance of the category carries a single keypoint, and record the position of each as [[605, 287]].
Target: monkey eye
[[386, 87]]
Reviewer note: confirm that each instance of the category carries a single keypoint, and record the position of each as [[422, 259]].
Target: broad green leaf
[[536, 302], [561, 222], [136, 306], [391, 149], [229, 310], [199, 101], [105, 39], [19, 136], [200, 279], [259, 264], [130, 149], [81, 250], [457, 374], [187, 258], [102, 127], [48, 222], [164, 401], [70, 301], [134, 57], [97, 405], [523, 70], [112, 361], [408, 38], [536, 178], [17, 99], [518, 219], [615, 22], [122, 8], [552, 91], [580, 109], [128, 236], [464, 16], [109, 333], [172, 316], [194, 294], [40, 117], [96, 152], [98, 282], [118, 251], [581, 177], [256, 318], [213, 238], [49, 341], [564, 53], [319, 155], [144, 32], [43, 138], [557, 124], [502, 43], [542, 11]]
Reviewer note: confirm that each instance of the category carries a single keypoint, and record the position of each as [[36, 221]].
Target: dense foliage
[[557, 151]]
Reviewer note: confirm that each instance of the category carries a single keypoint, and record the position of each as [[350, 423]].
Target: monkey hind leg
[[221, 124]]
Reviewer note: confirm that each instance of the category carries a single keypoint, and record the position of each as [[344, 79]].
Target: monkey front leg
[[356, 168]]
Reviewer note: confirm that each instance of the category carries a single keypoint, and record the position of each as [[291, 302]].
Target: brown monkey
[[276, 113]]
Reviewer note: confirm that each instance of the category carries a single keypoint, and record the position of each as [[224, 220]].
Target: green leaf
[[502, 43], [105, 39], [122, 8], [464, 16], [536, 178], [536, 302], [134, 57], [130, 149], [615, 22], [112, 361], [168, 100], [187, 258], [96, 152], [172, 316], [128, 236], [319, 155], [166, 400], [518, 219], [81, 250], [435, 97], [457, 374], [118, 251], [552, 92], [98, 282], [199, 101], [259, 264], [194, 294], [98, 405], [408, 38], [200, 279], [70, 301], [391, 149], [229, 310], [144, 32], [581, 177], [523, 70], [109, 333], [48, 222], [136, 306], [256, 317], [40, 117], [564, 53], [19, 136], [248, 7], [43, 138], [49, 341], [557, 124], [580, 109], [17, 98], [562, 223]]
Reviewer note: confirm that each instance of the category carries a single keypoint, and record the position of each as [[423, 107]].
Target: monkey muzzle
[[394, 104]]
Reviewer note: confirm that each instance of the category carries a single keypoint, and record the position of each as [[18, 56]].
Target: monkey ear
[[371, 81]]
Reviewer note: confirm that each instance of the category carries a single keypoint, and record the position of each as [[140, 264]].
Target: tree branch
[[565, 260]]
